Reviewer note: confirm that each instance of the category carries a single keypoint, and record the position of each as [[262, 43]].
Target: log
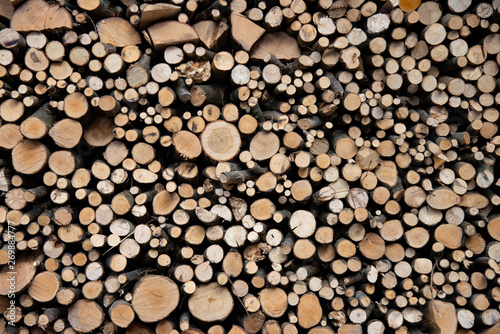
[[118, 32], [372, 246], [273, 302], [264, 145], [442, 198], [11, 135], [244, 31], [66, 133], [279, 44], [442, 317], [309, 311], [187, 144], [7, 10], [213, 34], [44, 286], [152, 13], [26, 267], [22, 20], [302, 223], [178, 33], [165, 202], [220, 141], [167, 298], [458, 6], [29, 157], [211, 302], [99, 133], [205, 94], [85, 316]]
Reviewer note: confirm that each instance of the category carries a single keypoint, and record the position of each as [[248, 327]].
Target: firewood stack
[[290, 166]]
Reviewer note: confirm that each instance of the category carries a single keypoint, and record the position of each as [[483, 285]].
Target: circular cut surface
[[493, 228], [66, 133], [187, 144], [274, 302], [442, 198], [320, 330], [372, 246], [10, 136], [44, 286], [449, 235], [414, 196], [223, 61], [221, 140], [165, 202], [264, 145], [211, 302], [76, 105], [85, 316], [62, 162], [122, 315], [33, 128], [262, 209], [155, 297], [309, 310], [303, 223], [28, 157], [100, 132]]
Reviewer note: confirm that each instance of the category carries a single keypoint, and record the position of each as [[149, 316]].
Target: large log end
[[38, 15]]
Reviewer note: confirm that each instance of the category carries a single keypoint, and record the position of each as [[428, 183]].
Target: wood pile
[[291, 166]]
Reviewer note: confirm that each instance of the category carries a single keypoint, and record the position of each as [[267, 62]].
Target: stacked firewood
[[290, 166]]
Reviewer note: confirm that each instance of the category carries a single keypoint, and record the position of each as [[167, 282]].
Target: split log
[[118, 32], [279, 44], [22, 20], [442, 317], [7, 10], [244, 31], [26, 267], [178, 33], [152, 13]]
